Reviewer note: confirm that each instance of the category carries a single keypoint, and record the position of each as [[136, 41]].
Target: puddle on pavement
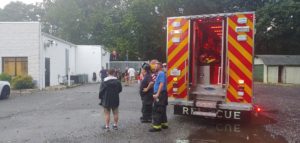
[[234, 132]]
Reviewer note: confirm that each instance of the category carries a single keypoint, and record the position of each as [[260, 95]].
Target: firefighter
[[153, 70], [160, 100], [153, 73], [146, 92]]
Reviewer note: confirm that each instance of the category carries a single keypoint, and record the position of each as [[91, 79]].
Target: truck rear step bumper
[[232, 112], [236, 106], [205, 114]]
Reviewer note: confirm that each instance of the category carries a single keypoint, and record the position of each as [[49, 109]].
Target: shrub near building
[[5, 77], [22, 82]]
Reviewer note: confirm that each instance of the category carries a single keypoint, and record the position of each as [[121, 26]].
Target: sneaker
[[105, 128], [154, 130], [115, 127]]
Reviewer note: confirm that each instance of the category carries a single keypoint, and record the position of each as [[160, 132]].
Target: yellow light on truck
[[241, 81], [175, 79]]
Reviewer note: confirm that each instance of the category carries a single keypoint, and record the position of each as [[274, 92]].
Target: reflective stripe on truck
[[240, 31], [177, 57]]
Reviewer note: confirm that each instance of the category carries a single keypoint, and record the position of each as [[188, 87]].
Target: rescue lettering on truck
[[210, 64]]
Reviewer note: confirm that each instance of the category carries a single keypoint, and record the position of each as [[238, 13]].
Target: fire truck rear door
[[178, 29], [240, 44]]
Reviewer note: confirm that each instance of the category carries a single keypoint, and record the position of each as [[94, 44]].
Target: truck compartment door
[[178, 30], [240, 44]]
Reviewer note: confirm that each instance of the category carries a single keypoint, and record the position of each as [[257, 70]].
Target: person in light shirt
[[131, 72]]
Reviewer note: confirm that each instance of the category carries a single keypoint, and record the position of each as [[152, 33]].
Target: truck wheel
[[5, 92]]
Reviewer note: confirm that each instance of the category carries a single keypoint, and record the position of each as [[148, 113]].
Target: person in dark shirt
[[110, 100], [103, 74], [146, 92]]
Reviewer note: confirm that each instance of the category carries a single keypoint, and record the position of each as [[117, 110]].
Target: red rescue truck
[[210, 64]]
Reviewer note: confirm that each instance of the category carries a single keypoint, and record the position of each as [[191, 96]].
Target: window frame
[[16, 60]]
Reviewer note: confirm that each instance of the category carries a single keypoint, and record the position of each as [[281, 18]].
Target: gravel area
[[281, 103], [74, 116]]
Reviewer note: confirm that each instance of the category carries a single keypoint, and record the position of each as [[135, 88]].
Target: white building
[[25, 50], [277, 69], [86, 64]]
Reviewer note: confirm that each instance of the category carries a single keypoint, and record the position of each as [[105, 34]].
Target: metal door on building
[[292, 75], [47, 72], [258, 73], [272, 74]]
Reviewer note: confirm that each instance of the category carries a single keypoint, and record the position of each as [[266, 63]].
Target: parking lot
[[73, 115]]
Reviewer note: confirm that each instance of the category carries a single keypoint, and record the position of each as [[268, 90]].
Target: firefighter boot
[[164, 126], [155, 128]]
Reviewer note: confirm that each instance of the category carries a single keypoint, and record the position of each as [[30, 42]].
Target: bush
[[22, 82], [5, 77]]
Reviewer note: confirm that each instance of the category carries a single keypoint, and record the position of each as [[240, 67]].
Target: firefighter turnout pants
[[160, 112], [147, 112], [147, 102]]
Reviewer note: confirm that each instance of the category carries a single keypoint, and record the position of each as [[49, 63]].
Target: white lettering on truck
[[229, 114], [185, 111], [237, 115]]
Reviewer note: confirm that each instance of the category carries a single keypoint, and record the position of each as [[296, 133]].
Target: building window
[[15, 66]]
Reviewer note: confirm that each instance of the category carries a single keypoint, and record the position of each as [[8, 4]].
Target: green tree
[[18, 11], [278, 28], [66, 20]]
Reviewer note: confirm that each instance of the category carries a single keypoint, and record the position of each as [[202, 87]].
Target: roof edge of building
[[59, 39], [280, 60]]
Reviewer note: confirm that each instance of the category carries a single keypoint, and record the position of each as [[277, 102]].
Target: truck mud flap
[[220, 114]]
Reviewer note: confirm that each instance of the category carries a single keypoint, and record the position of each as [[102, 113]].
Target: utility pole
[[126, 55]]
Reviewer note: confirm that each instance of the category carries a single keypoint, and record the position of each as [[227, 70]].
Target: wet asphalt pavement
[[74, 116]]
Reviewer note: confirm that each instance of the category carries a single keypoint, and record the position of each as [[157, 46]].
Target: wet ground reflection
[[217, 131]]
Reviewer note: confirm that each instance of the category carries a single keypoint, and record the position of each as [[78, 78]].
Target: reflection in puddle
[[233, 132]]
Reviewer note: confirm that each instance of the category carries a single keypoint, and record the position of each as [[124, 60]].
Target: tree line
[[138, 27]]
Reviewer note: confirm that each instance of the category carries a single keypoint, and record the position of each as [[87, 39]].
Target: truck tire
[[5, 92]]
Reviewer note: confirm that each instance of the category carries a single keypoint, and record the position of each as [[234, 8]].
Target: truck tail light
[[175, 85], [241, 87], [258, 109], [241, 81]]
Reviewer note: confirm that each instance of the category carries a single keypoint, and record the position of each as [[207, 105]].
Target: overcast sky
[[5, 2]]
